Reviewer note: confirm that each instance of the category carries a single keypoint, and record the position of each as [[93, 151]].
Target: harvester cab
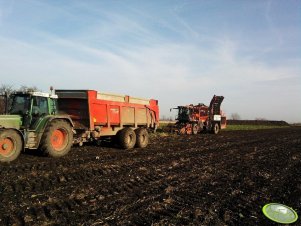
[[184, 113]]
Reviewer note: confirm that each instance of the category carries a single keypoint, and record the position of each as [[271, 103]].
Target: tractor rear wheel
[[126, 138], [57, 138], [141, 137], [215, 128], [10, 145]]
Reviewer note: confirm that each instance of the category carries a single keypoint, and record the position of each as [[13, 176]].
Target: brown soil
[[205, 179]]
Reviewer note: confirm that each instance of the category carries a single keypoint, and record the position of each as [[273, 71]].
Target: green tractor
[[32, 121]]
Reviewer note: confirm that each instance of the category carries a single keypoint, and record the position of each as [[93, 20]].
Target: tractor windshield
[[20, 104]]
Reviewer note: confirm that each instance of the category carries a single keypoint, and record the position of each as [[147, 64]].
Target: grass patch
[[163, 127], [252, 127]]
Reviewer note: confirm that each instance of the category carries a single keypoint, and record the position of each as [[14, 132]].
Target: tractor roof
[[39, 94]]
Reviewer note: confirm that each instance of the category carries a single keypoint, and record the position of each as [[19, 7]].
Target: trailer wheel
[[10, 145], [57, 139], [215, 128], [127, 138], [141, 138]]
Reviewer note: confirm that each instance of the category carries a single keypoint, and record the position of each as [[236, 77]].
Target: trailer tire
[[142, 138], [215, 128], [127, 138], [10, 145], [57, 139]]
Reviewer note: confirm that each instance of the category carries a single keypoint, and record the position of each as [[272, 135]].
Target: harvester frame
[[193, 119]]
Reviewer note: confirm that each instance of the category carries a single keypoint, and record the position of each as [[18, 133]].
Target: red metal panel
[[99, 112], [114, 112]]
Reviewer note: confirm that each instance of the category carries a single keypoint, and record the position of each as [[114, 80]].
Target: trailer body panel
[[96, 114]]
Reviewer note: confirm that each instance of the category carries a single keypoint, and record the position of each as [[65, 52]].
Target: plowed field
[[205, 179]]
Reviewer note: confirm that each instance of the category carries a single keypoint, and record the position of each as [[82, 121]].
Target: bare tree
[[235, 116], [166, 118], [4, 90], [28, 89], [260, 119], [7, 90], [2, 105]]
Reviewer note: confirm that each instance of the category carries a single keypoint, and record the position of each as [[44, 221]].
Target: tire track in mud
[[127, 187], [239, 212], [57, 209], [171, 184], [71, 178]]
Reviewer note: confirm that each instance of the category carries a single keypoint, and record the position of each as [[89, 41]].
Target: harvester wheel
[[10, 145], [182, 130], [195, 129], [127, 138], [215, 128], [141, 138], [57, 139]]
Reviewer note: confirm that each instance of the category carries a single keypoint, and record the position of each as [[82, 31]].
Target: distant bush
[[257, 122]]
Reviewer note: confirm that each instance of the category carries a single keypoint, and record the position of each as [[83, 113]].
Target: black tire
[[142, 138], [11, 145], [127, 138], [195, 129], [215, 128], [57, 138]]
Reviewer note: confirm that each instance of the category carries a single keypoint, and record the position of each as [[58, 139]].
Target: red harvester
[[193, 119]]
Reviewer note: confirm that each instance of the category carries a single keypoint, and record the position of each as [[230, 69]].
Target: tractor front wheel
[[57, 138], [10, 145]]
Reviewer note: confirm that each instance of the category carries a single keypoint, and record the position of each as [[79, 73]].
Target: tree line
[[7, 90]]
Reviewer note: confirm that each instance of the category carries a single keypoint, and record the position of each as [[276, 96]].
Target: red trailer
[[98, 115]]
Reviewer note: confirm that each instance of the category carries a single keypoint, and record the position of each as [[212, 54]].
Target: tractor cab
[[31, 107]]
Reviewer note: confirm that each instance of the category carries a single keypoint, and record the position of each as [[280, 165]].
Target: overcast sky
[[179, 52]]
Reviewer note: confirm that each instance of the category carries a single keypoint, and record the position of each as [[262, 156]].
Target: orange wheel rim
[[58, 139], [7, 147]]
